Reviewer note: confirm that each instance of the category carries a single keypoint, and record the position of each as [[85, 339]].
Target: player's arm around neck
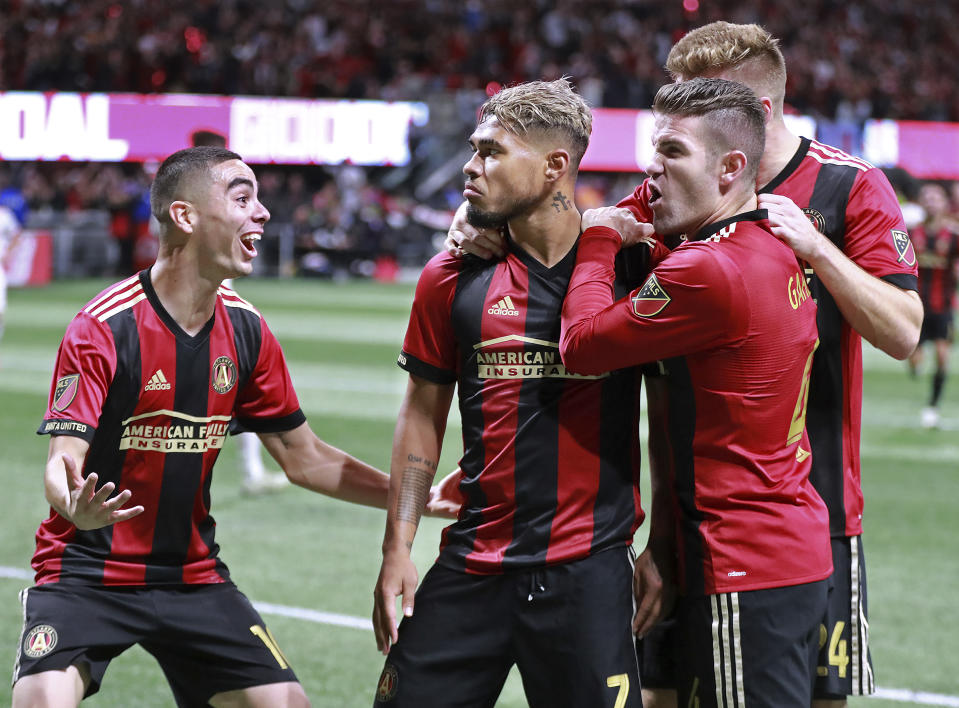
[[318, 466], [417, 443], [75, 497]]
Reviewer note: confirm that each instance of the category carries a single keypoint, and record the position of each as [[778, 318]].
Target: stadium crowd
[[852, 60]]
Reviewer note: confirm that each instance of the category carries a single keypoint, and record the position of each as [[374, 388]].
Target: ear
[[557, 164], [732, 165], [767, 107], [183, 216]]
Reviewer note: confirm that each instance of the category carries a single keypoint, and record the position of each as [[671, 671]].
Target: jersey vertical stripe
[[550, 459], [156, 419]]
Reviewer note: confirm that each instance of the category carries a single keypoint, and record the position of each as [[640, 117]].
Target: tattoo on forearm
[[414, 489], [561, 200]]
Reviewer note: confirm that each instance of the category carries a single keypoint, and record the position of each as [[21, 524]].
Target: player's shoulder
[[229, 297], [114, 299], [829, 155]]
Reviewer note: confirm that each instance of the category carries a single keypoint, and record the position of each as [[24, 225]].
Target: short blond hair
[[548, 107], [748, 53]]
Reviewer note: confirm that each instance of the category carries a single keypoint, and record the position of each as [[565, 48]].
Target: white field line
[[330, 618]]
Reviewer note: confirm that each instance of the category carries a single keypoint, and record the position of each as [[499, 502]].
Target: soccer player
[[841, 217], [537, 570], [729, 315], [148, 377], [936, 241]]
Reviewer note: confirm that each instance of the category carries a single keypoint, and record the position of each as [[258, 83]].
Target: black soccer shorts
[[567, 628], [845, 663], [207, 638], [935, 326], [755, 648], [657, 656]]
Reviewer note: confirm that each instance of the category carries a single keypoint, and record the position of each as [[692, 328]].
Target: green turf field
[[299, 550]]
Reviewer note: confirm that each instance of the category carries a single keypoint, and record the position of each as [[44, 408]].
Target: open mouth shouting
[[655, 196], [248, 241]]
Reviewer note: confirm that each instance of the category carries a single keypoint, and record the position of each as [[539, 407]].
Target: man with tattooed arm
[[538, 569]]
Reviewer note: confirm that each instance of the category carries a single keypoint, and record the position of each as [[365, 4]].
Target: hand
[[622, 221], [485, 243], [654, 594], [463, 238], [791, 226], [92, 510], [398, 577], [445, 498]]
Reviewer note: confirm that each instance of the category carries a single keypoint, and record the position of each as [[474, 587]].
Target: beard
[[499, 219], [484, 219]]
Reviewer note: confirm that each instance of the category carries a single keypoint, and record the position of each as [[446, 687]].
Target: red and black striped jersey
[[155, 404], [938, 253], [729, 315], [551, 459], [853, 204]]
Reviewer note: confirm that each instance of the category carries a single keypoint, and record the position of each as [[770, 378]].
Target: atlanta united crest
[[651, 298], [815, 218], [904, 247], [65, 391], [223, 377], [40, 641], [386, 687]]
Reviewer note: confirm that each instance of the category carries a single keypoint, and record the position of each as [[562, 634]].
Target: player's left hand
[[791, 226], [621, 220], [653, 591], [91, 508], [445, 498]]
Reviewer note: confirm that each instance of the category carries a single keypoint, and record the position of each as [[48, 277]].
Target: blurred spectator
[[936, 243]]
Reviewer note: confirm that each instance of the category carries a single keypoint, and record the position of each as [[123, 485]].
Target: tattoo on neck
[[561, 200]]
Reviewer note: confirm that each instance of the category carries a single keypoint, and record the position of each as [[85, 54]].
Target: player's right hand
[[92, 508], [398, 578], [621, 220], [463, 238]]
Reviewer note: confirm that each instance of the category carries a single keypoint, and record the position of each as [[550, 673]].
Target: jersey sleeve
[[686, 305], [876, 238], [638, 203], [85, 367], [268, 403], [429, 348]]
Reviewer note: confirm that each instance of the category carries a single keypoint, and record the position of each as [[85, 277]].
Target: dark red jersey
[[155, 404], [938, 253], [731, 317], [551, 459], [853, 204]]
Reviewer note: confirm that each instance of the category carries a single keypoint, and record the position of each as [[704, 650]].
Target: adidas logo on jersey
[[504, 307], [157, 382]]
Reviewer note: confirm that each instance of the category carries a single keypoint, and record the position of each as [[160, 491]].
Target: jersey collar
[[713, 229], [167, 319], [790, 167]]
